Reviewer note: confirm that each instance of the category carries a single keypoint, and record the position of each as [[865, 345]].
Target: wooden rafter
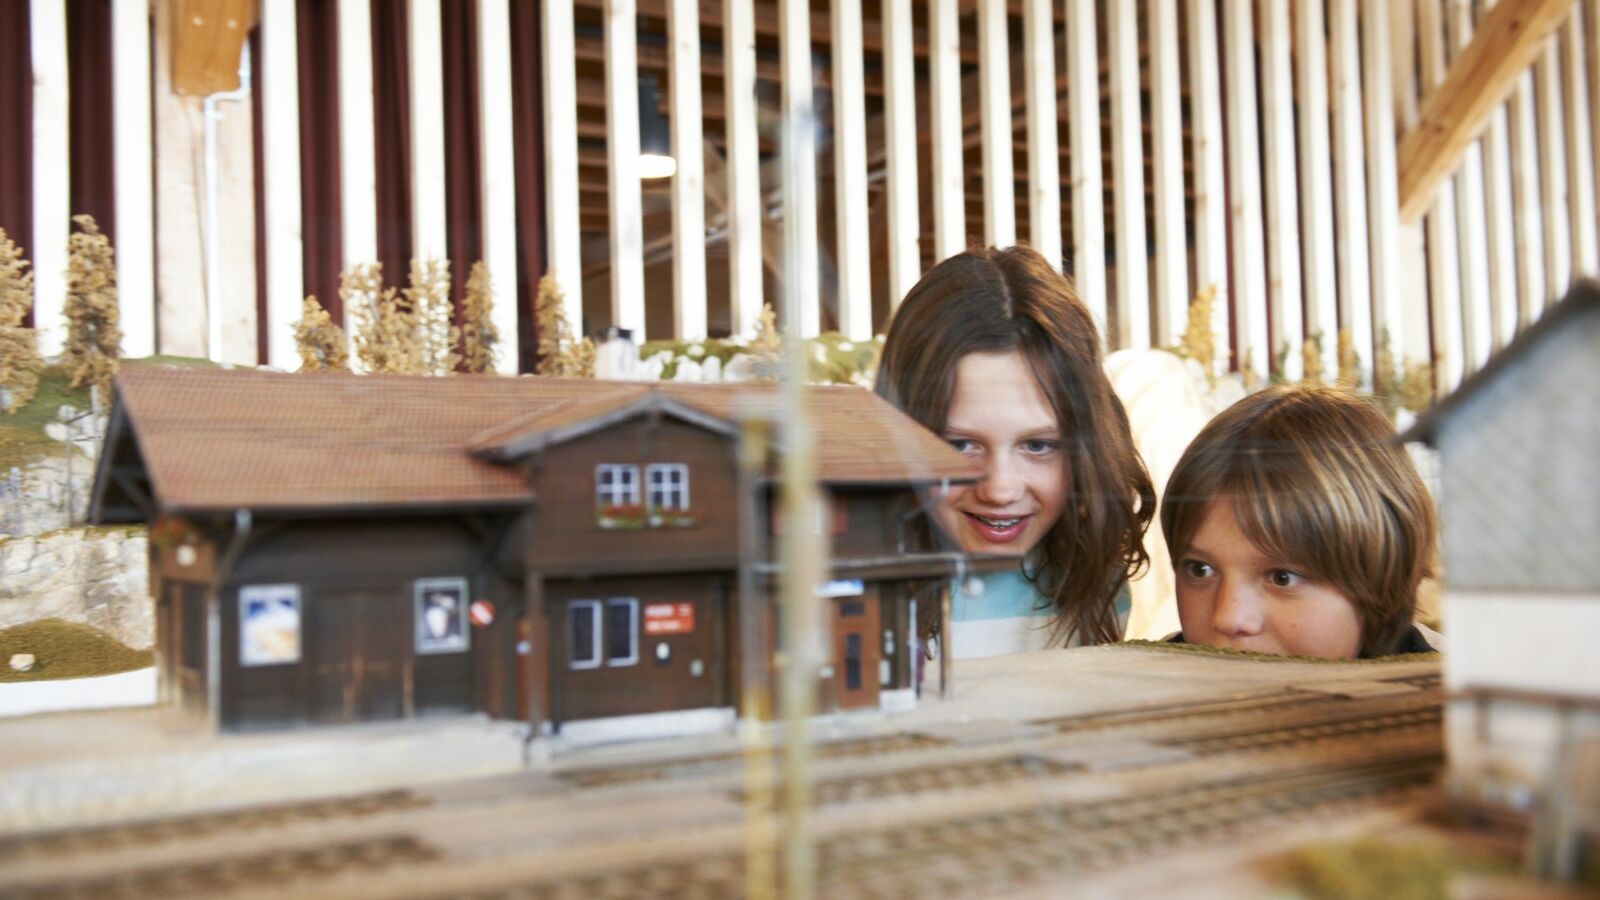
[[1511, 35]]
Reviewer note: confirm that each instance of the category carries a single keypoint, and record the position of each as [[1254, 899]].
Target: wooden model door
[[855, 650], [359, 667]]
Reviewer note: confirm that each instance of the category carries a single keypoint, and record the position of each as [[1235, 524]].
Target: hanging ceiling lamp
[[655, 141]]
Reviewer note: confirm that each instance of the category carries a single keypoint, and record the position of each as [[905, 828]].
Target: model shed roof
[[218, 440]]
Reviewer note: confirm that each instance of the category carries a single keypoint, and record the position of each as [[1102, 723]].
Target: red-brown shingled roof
[[221, 440]]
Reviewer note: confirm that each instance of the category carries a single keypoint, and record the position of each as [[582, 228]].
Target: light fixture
[[655, 141]]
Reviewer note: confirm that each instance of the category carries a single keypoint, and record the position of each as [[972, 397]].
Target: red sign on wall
[[668, 618]]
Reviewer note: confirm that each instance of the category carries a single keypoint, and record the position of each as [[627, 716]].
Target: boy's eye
[[1194, 568], [1284, 578]]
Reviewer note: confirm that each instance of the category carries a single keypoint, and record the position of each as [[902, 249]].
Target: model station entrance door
[[358, 645], [855, 644]]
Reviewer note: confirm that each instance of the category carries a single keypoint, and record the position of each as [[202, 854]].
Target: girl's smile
[[1000, 418]]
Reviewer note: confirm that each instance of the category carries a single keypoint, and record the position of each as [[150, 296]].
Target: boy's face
[[1001, 419], [1232, 594]]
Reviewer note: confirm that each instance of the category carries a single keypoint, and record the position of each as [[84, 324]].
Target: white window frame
[[669, 490], [621, 491], [633, 631], [597, 656]]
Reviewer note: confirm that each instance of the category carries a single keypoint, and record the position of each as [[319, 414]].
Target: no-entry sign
[[481, 611]]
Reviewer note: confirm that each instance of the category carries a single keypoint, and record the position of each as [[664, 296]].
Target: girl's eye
[[1194, 568], [1284, 578], [1039, 447], [962, 445]]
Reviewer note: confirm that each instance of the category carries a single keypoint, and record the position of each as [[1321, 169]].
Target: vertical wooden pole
[[1244, 206], [497, 183], [1526, 197], [1580, 149], [1444, 270], [1286, 327], [1044, 160], [1474, 247], [1316, 183], [135, 199], [1553, 186], [994, 90], [1210, 198], [426, 57], [1172, 243], [52, 186], [744, 166], [900, 125], [688, 184], [1500, 217], [1127, 178], [1349, 182], [561, 231], [850, 173], [1088, 186], [944, 103], [622, 152]]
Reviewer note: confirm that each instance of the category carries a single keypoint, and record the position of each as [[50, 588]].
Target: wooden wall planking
[[743, 167], [622, 168], [944, 105], [850, 173], [1349, 182], [1525, 194], [1553, 173], [801, 314], [52, 198], [426, 60], [1575, 90], [994, 79], [1444, 270], [497, 185], [135, 191], [1388, 313], [280, 149], [1471, 214], [900, 136]]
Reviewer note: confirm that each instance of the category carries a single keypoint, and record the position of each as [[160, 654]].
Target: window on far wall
[[668, 484], [616, 485], [622, 631], [583, 634]]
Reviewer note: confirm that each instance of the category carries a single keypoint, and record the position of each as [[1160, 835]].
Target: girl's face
[[1233, 594], [1000, 418]]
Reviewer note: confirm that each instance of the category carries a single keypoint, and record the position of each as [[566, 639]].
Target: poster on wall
[[441, 615], [269, 624]]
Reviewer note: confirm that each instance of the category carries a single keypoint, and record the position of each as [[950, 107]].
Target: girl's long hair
[[998, 301]]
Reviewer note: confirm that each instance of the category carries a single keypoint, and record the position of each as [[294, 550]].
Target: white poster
[[269, 624]]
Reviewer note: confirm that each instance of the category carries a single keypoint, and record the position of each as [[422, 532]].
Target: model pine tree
[[93, 337], [1349, 376], [20, 362], [768, 341], [478, 332], [321, 343], [1416, 386], [385, 326], [1199, 343], [1311, 353], [429, 298], [561, 353]]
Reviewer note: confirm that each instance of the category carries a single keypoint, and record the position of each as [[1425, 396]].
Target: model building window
[[617, 496], [583, 634], [622, 632], [669, 486], [441, 615]]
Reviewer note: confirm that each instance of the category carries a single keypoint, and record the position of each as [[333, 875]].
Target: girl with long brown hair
[[994, 351]]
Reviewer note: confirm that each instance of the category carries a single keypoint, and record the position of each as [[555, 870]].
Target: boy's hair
[[1318, 480], [986, 300]]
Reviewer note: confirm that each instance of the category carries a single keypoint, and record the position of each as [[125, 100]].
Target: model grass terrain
[[66, 650]]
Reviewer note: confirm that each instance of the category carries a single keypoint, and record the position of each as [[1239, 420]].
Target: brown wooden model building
[[320, 543]]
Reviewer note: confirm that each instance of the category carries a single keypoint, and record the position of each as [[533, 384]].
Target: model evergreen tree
[[1311, 357], [321, 343], [385, 327], [1199, 343], [1349, 376], [561, 353], [429, 298], [93, 337], [20, 362], [1416, 386], [478, 332]]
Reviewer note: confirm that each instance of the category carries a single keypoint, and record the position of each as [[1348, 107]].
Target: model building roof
[[214, 440]]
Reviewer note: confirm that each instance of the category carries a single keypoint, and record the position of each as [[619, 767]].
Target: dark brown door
[[855, 650], [359, 662]]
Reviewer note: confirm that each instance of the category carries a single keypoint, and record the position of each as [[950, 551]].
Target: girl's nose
[[1002, 483], [1238, 611]]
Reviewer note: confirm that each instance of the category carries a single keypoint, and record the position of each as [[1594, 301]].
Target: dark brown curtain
[[89, 80], [322, 247], [16, 128], [527, 121], [462, 141], [391, 90]]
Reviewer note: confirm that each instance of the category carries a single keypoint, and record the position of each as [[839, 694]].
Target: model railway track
[[967, 856], [605, 776], [1276, 738], [214, 877], [114, 837]]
